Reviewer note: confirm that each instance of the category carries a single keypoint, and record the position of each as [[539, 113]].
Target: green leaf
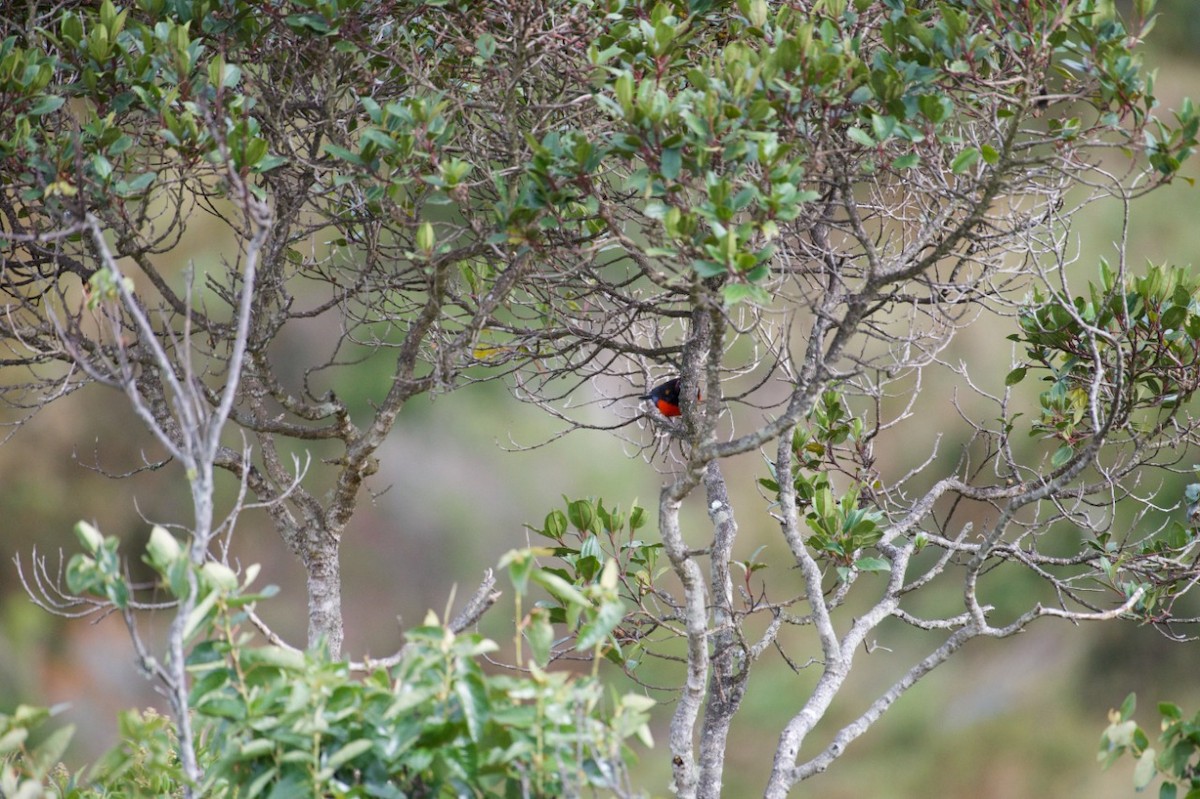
[[50, 751], [485, 46], [872, 564], [1144, 771], [267, 163], [199, 614], [472, 697], [230, 75], [1170, 710], [555, 524], [343, 154], [379, 138], [274, 657], [312, 22], [46, 104], [349, 752], [219, 576], [883, 126], [102, 166], [82, 574], [162, 550], [964, 160], [426, 238], [1128, 707], [256, 748], [671, 163], [540, 635], [13, 739], [604, 622], [1061, 456], [708, 269], [590, 548], [860, 136], [1015, 376], [906, 161], [89, 537], [582, 514], [1173, 317], [132, 188], [560, 588], [746, 292], [519, 571]]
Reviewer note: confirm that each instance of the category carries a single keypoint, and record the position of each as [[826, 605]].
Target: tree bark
[[324, 570], [730, 666]]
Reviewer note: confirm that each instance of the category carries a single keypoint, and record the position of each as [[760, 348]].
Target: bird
[[666, 397]]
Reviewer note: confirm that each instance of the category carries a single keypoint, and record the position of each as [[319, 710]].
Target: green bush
[[275, 722]]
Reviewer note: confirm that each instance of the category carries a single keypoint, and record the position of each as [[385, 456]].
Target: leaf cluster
[[1135, 342], [277, 722], [600, 571], [841, 527], [1176, 760]]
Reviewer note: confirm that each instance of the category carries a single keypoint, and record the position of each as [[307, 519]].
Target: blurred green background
[[1013, 718]]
